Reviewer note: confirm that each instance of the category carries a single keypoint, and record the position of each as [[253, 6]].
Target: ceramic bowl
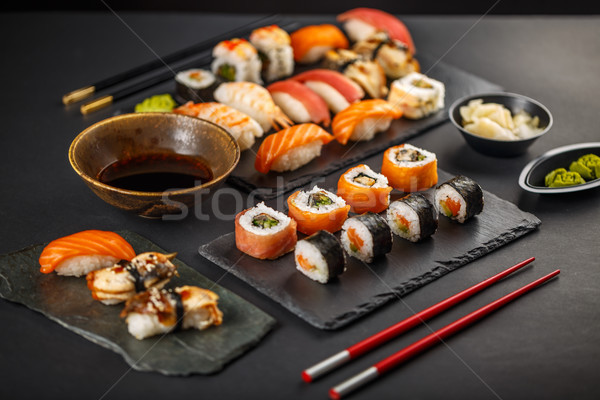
[[129, 136]]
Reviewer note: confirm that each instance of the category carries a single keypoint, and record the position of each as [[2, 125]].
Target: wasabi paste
[[588, 166], [561, 177], [156, 103]]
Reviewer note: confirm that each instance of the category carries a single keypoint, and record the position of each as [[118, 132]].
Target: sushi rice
[[302, 201], [239, 55], [82, 265], [366, 237], [320, 257], [410, 228]]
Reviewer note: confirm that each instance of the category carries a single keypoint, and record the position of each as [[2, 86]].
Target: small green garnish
[[588, 166], [227, 72], [561, 177], [319, 199], [156, 103], [364, 179], [353, 247], [446, 209], [402, 227], [264, 221]]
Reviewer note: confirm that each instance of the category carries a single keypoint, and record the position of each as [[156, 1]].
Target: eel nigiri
[[362, 120], [299, 102], [241, 126], [291, 148], [362, 22], [82, 252], [310, 43], [337, 90], [255, 101]]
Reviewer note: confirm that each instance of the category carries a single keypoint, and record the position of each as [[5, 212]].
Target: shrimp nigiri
[[310, 43], [362, 120]]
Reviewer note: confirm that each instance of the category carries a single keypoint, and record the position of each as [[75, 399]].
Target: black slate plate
[[363, 288], [67, 301]]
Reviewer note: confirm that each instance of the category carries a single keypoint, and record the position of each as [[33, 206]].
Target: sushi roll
[[362, 22], [156, 312], [417, 95], [413, 217], [317, 209], [83, 252], [367, 73], [310, 43], [459, 199], [409, 168], [291, 148], [264, 233], [195, 85], [395, 58], [236, 60], [299, 102], [366, 237], [274, 50], [364, 190], [255, 101], [337, 90], [320, 257], [243, 128], [118, 283], [362, 120]]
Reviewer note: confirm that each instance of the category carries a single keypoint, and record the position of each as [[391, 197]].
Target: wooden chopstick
[[87, 91], [419, 346], [360, 348]]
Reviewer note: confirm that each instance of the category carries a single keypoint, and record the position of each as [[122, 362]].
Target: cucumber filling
[[319, 199], [264, 221]]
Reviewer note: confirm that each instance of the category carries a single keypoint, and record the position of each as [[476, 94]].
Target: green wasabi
[[588, 166], [156, 103], [561, 177]]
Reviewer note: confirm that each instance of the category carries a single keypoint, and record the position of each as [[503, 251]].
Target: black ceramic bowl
[[515, 103]]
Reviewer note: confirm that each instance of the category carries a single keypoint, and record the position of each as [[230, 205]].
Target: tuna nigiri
[[362, 120], [362, 22], [299, 102], [310, 43], [82, 252], [291, 148]]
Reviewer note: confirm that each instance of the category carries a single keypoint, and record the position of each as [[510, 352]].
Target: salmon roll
[[362, 120], [413, 217], [366, 237], [417, 95], [409, 168], [317, 209], [364, 190], [310, 43], [320, 257], [264, 233], [459, 199]]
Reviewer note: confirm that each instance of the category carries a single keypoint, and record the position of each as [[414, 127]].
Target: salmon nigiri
[[299, 102], [362, 120], [82, 252], [291, 148], [310, 43]]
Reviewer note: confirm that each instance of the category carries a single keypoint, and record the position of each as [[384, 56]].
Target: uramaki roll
[[409, 168]]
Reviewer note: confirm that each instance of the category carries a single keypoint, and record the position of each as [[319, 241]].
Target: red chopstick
[[331, 363], [419, 346]]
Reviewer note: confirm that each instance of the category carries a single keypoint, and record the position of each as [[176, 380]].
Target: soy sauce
[[156, 173]]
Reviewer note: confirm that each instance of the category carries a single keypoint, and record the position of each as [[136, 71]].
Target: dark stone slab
[[67, 301], [363, 288]]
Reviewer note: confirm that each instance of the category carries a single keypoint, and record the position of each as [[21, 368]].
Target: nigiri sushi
[[310, 43], [317, 209], [291, 148], [299, 102], [362, 22], [255, 101], [118, 283], [273, 45], [82, 252], [243, 128], [337, 90], [395, 58], [155, 311], [236, 60], [362, 120], [367, 73]]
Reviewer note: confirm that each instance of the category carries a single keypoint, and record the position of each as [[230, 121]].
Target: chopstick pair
[[412, 350]]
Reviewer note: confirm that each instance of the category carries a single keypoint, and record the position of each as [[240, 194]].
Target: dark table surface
[[546, 345]]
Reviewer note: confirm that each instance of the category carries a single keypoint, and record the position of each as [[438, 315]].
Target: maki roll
[[459, 199], [364, 190], [195, 85], [274, 50], [236, 60], [316, 210], [413, 217], [417, 95], [366, 237], [320, 257], [264, 233], [409, 168]]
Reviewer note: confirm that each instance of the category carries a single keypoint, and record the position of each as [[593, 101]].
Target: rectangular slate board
[[362, 288], [335, 156], [68, 301]]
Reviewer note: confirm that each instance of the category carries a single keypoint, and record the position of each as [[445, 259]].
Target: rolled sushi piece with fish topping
[[156, 312], [360, 121], [364, 189], [236, 60], [317, 209], [83, 252], [310, 43], [413, 217], [264, 233], [123, 280], [409, 168], [299, 102], [320, 257], [291, 148], [274, 50], [366, 237], [195, 85], [395, 58], [367, 73], [459, 199], [417, 95]]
